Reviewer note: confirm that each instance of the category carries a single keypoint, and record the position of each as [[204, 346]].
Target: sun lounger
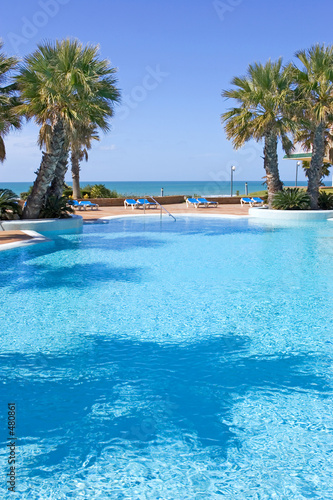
[[131, 203], [207, 203], [192, 201], [246, 201], [75, 204], [257, 201], [88, 204], [146, 204]]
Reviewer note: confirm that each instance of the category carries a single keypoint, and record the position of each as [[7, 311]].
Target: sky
[[173, 60]]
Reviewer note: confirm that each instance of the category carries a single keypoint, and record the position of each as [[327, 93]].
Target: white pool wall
[[301, 215], [72, 225]]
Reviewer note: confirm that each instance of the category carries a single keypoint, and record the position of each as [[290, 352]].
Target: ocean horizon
[[153, 188]]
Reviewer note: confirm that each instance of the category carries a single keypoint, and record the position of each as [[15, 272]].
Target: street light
[[297, 165], [233, 168]]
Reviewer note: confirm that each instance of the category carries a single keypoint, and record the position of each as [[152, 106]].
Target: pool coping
[[290, 215], [35, 238], [40, 238], [175, 215]]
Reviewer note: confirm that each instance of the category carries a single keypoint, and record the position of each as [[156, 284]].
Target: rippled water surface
[[188, 360]]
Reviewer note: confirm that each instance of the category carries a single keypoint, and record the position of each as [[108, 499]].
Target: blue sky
[[174, 57]]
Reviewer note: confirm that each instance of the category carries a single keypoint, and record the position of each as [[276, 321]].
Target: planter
[[72, 225]]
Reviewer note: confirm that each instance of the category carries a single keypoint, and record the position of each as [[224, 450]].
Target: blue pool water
[[188, 360]]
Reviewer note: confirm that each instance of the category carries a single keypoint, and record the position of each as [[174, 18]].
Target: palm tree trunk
[[2, 149], [58, 180], [75, 160], [45, 173], [271, 166], [315, 170]]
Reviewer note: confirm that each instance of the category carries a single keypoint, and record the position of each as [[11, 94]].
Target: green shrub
[[85, 191], [100, 191], [9, 207], [25, 194], [67, 191], [56, 208], [325, 200], [291, 199], [115, 194]]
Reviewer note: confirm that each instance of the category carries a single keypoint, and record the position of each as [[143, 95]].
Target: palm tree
[[264, 96], [9, 206], [314, 92], [80, 144], [9, 119], [305, 137], [78, 140], [61, 85]]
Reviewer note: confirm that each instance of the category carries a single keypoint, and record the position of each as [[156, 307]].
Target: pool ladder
[[161, 207]]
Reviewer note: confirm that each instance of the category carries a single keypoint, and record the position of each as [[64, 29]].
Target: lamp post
[[233, 168], [297, 165]]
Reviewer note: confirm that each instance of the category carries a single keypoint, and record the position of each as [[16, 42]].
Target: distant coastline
[[142, 188]]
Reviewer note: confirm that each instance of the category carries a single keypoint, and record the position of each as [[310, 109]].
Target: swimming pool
[[162, 360]]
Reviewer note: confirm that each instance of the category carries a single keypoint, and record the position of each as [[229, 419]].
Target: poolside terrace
[[13, 237], [175, 209]]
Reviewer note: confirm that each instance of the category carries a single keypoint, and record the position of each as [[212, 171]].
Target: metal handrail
[[162, 208]]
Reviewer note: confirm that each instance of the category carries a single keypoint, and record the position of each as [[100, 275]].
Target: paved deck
[[13, 236], [16, 236], [173, 209]]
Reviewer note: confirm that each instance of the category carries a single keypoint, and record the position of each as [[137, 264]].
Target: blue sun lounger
[[207, 203], [246, 201], [192, 201], [257, 201], [74, 204], [129, 202], [87, 204], [146, 204]]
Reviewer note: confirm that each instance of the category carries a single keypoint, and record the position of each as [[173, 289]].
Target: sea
[[167, 188]]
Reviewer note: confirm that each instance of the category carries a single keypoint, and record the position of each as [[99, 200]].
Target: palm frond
[[68, 81], [263, 95], [9, 118]]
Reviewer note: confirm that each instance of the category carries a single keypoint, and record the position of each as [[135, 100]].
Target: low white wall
[[72, 225], [301, 215]]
